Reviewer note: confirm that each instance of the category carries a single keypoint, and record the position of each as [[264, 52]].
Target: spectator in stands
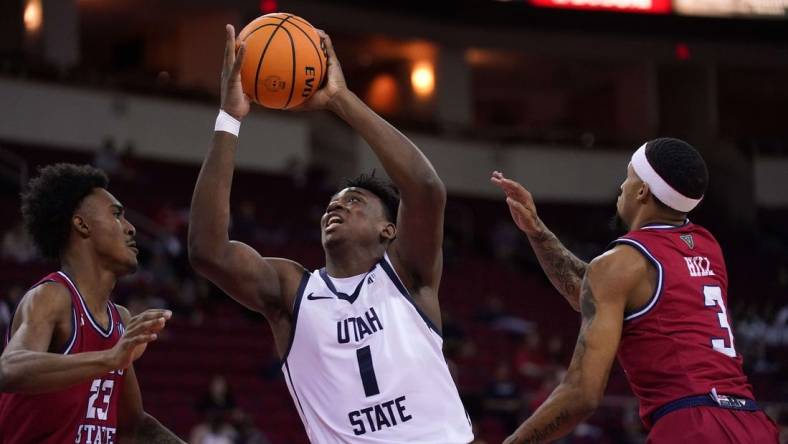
[[505, 241], [555, 351], [246, 432], [502, 396], [219, 398], [8, 302], [106, 158], [130, 169], [18, 246], [530, 361], [214, 430], [492, 311], [550, 381]]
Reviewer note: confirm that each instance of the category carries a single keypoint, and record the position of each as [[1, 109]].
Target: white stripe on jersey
[[369, 366]]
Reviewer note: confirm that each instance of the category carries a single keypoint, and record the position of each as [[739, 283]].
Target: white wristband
[[227, 123]]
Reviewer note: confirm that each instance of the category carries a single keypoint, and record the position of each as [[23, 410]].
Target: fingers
[[141, 339], [332, 56], [514, 205], [510, 187], [150, 326], [152, 313], [498, 179], [149, 318], [229, 46], [239, 59]]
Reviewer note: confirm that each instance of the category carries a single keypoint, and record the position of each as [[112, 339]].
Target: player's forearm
[[563, 268], [562, 411], [148, 431], [409, 169], [31, 372], [209, 217]]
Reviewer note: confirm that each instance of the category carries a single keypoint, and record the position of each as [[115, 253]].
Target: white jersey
[[366, 365]]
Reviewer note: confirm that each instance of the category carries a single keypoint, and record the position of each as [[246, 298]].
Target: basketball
[[285, 61]]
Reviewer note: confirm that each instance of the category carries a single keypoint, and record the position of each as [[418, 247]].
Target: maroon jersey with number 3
[[680, 343], [84, 413]]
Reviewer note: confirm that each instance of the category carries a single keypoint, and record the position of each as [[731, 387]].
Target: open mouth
[[333, 222]]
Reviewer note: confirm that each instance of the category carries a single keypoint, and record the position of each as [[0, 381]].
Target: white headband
[[664, 192]]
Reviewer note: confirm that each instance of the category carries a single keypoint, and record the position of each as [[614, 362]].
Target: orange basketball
[[285, 60]]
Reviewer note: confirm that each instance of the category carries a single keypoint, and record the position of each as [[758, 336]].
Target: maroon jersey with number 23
[[86, 413]]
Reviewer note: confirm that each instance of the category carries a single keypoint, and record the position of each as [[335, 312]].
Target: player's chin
[[129, 266], [332, 238]]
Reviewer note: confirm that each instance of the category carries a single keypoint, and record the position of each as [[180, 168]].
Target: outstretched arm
[[417, 248], [563, 268], [135, 426], [236, 268], [27, 366], [605, 289]]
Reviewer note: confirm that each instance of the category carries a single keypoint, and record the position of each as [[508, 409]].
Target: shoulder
[[48, 299], [622, 267], [287, 266], [290, 272], [290, 275]]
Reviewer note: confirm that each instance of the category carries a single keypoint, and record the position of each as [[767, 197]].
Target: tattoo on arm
[[563, 268], [588, 312], [538, 436]]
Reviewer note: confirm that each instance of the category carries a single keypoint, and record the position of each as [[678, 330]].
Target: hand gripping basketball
[[335, 83], [141, 330], [233, 100]]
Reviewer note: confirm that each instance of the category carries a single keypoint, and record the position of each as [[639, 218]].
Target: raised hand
[[141, 330], [521, 203], [335, 83], [233, 100]]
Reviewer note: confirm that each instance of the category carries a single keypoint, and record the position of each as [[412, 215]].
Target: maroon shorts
[[713, 425]]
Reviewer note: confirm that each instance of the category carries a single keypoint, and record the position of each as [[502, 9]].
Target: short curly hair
[[680, 165], [50, 200], [383, 189]]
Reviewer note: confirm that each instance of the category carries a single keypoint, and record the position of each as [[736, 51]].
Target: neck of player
[[351, 260], [659, 216], [94, 281]]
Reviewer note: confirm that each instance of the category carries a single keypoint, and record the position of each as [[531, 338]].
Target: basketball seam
[[257, 29], [319, 58], [262, 56], [298, 19], [292, 77]]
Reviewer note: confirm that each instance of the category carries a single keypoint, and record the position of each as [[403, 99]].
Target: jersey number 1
[[713, 296], [367, 371]]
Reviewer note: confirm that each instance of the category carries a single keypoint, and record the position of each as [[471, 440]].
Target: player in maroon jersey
[[658, 299], [66, 373]]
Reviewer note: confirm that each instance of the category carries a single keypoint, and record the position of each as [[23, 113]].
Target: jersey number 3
[[713, 296], [101, 388]]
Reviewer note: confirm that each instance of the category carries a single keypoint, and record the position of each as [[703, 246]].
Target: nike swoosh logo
[[312, 297]]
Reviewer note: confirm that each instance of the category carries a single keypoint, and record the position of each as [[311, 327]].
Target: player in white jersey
[[360, 339]]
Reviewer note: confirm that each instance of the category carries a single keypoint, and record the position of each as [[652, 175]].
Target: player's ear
[[643, 192], [80, 225], [389, 232]]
